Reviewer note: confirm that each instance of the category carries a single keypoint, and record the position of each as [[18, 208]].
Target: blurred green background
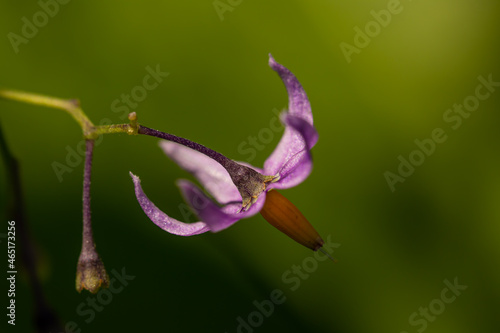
[[396, 247]]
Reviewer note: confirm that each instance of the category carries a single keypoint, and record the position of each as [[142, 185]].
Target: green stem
[[71, 106], [113, 129]]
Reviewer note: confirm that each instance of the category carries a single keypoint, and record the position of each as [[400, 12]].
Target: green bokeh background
[[396, 248]]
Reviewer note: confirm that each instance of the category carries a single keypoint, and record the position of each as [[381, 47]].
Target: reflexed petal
[[298, 104], [217, 218], [292, 157], [211, 175], [305, 129], [161, 219]]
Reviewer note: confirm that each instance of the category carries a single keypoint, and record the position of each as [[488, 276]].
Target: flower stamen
[[284, 216]]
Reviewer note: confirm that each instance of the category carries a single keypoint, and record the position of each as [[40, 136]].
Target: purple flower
[[241, 190]]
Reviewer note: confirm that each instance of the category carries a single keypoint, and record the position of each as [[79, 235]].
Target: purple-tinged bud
[[90, 273]]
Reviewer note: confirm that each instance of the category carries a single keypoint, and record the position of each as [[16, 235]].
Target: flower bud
[[90, 273]]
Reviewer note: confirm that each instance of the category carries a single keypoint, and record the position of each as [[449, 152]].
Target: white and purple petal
[[292, 158], [161, 219], [298, 103], [216, 218], [211, 175]]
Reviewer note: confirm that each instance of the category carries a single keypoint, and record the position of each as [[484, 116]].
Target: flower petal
[[305, 129], [292, 158], [161, 219], [298, 104], [211, 175], [217, 218]]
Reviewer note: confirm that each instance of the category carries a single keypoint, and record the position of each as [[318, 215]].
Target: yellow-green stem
[[72, 106]]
